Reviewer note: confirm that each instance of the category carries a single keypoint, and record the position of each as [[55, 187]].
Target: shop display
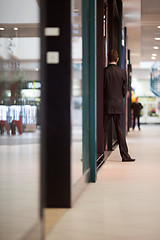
[[25, 114], [151, 109]]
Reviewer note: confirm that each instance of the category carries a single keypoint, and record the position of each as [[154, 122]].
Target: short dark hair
[[112, 56]]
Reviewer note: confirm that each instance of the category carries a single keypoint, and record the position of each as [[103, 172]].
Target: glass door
[[20, 96], [76, 99]]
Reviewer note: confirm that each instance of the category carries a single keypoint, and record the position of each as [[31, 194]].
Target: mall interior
[[57, 182]]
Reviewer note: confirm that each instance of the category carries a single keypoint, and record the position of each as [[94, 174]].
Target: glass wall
[[19, 118], [76, 103]]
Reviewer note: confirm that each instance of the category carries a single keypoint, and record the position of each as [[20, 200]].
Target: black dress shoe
[[128, 160]]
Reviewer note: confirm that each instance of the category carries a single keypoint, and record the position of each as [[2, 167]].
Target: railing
[[155, 79]]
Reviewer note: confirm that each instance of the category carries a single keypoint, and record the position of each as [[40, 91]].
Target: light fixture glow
[[155, 47], [158, 26], [2, 29], [154, 54], [153, 58], [157, 38], [16, 29]]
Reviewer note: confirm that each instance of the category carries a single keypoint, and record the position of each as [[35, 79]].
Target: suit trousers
[[134, 121], [119, 122]]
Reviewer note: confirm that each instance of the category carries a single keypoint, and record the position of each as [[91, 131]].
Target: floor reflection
[[19, 184]]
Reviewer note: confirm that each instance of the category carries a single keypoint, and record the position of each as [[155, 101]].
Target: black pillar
[[114, 25], [110, 25], [114, 42], [129, 68], [55, 111]]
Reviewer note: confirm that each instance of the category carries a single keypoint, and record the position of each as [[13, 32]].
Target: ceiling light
[[153, 58], [157, 39], [155, 47], [2, 29], [15, 28], [154, 54], [158, 26]]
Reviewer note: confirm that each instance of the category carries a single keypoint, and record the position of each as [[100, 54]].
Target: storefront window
[[76, 105], [20, 96]]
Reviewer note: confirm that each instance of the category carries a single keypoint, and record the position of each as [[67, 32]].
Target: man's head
[[113, 56]]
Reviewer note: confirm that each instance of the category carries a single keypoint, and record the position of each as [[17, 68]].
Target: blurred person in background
[[136, 107]]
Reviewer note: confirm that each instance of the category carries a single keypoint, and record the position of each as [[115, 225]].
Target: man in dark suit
[[136, 106], [115, 89]]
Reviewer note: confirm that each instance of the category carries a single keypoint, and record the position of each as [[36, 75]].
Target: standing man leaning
[[115, 89]]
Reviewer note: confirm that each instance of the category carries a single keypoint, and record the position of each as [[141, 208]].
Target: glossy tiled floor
[[124, 203], [19, 184]]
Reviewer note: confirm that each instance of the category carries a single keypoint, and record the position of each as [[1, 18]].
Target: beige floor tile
[[51, 217], [124, 202]]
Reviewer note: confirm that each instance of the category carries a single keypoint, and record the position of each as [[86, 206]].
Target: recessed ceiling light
[[155, 47], [158, 26], [2, 29], [157, 38], [153, 58], [154, 54], [16, 29]]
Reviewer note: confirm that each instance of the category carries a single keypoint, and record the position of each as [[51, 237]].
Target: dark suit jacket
[[115, 88], [136, 106]]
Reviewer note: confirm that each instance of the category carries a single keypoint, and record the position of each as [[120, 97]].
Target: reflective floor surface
[[19, 184], [124, 203]]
